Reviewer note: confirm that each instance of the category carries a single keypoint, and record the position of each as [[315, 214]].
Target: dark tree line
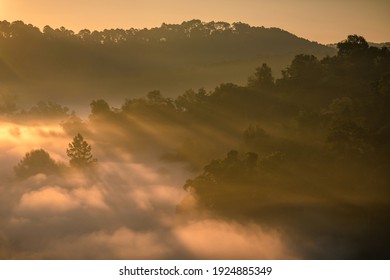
[[187, 29], [171, 57], [347, 95]]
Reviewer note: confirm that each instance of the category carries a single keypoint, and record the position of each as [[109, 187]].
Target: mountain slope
[[59, 65]]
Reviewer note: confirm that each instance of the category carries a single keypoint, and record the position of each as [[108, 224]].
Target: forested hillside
[[305, 154], [61, 65]]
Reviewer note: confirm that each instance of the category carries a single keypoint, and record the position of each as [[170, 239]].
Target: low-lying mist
[[122, 209]]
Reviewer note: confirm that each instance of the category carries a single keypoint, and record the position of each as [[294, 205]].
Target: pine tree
[[79, 152]]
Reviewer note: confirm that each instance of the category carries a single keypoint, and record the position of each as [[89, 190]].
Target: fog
[[122, 210]]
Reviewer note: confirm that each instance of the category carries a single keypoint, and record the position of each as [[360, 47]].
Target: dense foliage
[[306, 153], [36, 162], [80, 152], [173, 57]]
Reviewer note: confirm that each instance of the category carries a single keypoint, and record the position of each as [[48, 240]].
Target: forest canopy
[[113, 62], [304, 153]]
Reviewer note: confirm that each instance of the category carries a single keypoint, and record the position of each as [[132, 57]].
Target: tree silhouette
[[79, 152], [304, 69], [354, 44], [262, 78], [49, 109], [99, 106], [35, 162]]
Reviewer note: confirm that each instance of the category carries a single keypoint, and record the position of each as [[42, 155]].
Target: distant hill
[[371, 44], [380, 45], [60, 65]]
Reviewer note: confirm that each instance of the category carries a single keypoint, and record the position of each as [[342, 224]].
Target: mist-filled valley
[[265, 164]]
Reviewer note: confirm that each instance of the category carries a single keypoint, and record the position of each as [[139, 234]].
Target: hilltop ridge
[[117, 62]]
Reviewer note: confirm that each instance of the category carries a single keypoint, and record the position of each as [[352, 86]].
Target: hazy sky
[[323, 21]]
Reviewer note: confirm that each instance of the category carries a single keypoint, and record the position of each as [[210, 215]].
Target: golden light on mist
[[19, 139], [213, 239], [269, 168]]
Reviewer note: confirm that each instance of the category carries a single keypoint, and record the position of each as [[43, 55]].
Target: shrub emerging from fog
[[35, 162]]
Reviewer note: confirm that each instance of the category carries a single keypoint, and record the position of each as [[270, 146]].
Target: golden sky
[[325, 21]]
